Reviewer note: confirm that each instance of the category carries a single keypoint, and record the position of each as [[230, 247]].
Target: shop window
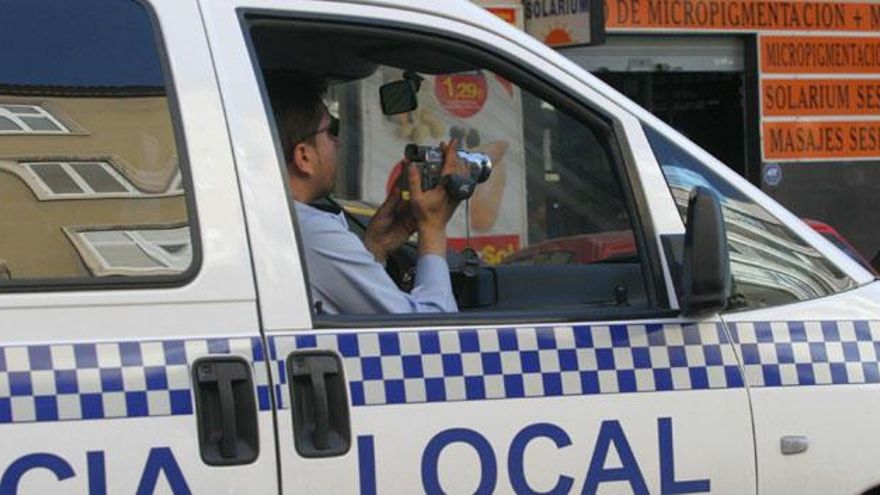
[[83, 180], [770, 264], [127, 252], [29, 119], [88, 150], [79, 178]]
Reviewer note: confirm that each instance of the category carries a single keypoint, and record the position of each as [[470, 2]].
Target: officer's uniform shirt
[[345, 278]]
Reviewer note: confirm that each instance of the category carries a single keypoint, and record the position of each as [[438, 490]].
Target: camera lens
[[414, 153], [485, 170]]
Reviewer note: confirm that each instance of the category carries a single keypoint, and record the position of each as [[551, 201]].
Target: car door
[[127, 306], [802, 317], [812, 369], [578, 375]]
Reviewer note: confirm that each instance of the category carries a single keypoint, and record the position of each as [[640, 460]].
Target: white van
[[156, 328]]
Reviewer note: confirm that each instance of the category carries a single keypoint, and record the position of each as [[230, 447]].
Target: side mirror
[[705, 271], [401, 96]]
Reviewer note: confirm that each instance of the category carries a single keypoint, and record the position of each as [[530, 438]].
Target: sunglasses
[[332, 129]]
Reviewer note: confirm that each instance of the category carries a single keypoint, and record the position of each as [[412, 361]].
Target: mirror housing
[[401, 96], [705, 281]]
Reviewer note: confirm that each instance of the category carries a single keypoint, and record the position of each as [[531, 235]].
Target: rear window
[[91, 183]]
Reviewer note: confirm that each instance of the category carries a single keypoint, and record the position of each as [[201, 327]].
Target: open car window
[[551, 226]]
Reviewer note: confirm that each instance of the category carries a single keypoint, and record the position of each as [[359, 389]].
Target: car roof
[[461, 10]]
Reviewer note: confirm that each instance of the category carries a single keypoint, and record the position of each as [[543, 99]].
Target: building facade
[[90, 184], [785, 92]]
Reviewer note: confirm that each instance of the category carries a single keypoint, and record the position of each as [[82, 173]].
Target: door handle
[[793, 444], [319, 404], [226, 410]]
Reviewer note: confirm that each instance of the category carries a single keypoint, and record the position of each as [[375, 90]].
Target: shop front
[[785, 92]]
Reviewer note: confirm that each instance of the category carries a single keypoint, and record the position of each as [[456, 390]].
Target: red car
[[838, 240], [577, 249]]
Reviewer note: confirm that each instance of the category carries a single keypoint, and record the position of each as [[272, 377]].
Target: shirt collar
[[326, 206], [326, 210]]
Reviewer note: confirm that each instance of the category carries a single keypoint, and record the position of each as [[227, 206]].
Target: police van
[[638, 318]]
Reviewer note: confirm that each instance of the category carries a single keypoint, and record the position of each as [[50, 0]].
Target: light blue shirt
[[346, 278]]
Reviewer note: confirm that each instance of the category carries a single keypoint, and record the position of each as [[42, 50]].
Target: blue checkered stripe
[[778, 354], [112, 380], [508, 363]]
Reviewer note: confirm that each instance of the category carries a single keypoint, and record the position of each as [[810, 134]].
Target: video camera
[[429, 160]]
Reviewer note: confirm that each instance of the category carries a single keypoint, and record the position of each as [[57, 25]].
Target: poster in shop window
[[482, 110]]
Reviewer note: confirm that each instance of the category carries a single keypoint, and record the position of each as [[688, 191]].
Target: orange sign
[[820, 54], [744, 15], [823, 140], [505, 13], [564, 22], [797, 97], [462, 95]]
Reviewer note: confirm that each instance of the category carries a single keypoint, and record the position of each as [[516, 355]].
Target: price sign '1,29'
[[462, 95]]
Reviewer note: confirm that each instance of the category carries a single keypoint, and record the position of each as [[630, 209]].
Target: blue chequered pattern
[[797, 353], [84, 381], [507, 363]]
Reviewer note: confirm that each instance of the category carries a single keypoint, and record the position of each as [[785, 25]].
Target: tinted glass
[[56, 178], [769, 263], [40, 124], [21, 109], [8, 125], [98, 178], [127, 256], [80, 82]]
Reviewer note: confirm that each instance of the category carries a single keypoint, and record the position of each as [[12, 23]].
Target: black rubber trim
[[637, 206], [149, 281], [573, 315], [752, 111]]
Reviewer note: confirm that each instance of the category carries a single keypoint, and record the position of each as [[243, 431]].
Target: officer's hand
[[433, 209], [391, 225]]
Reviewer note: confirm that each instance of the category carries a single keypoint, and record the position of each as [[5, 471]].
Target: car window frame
[[528, 78], [78, 284]]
